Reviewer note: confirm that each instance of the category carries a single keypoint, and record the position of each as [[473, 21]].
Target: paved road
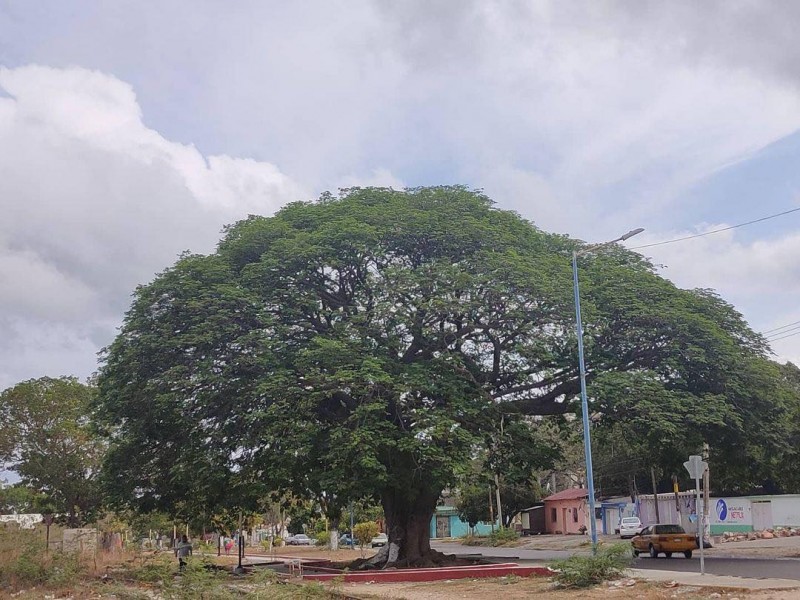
[[782, 568], [759, 568]]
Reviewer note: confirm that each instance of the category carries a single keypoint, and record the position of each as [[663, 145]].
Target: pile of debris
[[766, 534]]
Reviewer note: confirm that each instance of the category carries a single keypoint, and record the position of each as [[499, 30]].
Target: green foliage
[[583, 571], [323, 538], [19, 499], [44, 418], [366, 346], [502, 535], [473, 504], [365, 509], [364, 532], [24, 561], [199, 581]]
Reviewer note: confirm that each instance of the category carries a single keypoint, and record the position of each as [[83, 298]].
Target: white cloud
[[380, 177], [579, 115], [760, 278], [94, 203]]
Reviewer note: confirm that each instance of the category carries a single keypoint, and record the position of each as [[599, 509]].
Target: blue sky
[[130, 131]]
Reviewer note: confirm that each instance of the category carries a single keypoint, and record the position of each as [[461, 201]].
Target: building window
[[574, 515], [553, 515]]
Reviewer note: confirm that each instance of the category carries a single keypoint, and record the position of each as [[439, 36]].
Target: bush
[[503, 535], [24, 561], [323, 538], [582, 571], [364, 532]]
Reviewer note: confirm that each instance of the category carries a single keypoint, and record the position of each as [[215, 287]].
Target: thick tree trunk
[[408, 523]]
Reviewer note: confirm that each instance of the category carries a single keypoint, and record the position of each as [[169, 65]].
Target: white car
[[301, 539], [629, 527], [380, 540]]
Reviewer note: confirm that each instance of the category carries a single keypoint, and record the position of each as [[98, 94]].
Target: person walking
[[182, 550]]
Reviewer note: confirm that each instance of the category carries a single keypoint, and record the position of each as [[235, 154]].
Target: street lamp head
[[632, 233]]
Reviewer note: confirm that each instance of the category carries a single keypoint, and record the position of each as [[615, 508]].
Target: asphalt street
[[759, 568]]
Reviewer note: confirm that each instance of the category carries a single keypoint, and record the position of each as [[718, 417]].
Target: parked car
[[345, 540], [629, 527], [380, 540], [656, 539], [301, 539]]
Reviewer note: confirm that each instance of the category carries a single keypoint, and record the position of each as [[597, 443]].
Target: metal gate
[[442, 527], [762, 515]]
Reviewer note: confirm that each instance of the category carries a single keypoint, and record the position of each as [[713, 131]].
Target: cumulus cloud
[[761, 278], [612, 104], [95, 203], [587, 117]]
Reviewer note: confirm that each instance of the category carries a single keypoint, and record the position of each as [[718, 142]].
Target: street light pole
[[587, 436]]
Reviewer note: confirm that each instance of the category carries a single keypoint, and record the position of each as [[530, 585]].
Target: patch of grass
[[584, 571], [503, 535], [473, 540], [25, 562]]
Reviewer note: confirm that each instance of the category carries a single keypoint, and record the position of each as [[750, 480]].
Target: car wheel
[[653, 551], [688, 554], [668, 554]]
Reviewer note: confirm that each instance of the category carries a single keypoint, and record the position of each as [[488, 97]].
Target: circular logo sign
[[722, 509]]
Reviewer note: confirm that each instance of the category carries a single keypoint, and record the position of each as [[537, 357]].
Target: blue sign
[[722, 509]]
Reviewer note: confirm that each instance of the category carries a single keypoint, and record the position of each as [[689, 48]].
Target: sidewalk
[[726, 581]]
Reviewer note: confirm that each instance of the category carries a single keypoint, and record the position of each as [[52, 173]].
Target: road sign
[[696, 466]]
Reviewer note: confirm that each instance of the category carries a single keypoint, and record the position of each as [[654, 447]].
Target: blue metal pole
[[587, 436]]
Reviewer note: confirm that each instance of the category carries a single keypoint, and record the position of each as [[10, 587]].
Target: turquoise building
[[446, 523]]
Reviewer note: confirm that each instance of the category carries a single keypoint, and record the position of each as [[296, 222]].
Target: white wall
[[786, 511]]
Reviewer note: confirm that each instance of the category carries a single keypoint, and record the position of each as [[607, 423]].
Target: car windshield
[[669, 529]]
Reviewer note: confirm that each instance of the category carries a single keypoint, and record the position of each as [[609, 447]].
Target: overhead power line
[[783, 337], [776, 329], [691, 237], [784, 332]]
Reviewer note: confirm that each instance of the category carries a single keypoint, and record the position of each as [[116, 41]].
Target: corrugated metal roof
[[573, 494]]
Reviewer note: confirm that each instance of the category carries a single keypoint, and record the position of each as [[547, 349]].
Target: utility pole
[[655, 493], [491, 508], [706, 492], [677, 498], [497, 491]]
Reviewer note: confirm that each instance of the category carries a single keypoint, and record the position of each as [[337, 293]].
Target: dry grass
[[516, 588]]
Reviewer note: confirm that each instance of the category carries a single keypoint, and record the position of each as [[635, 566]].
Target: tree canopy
[[46, 436], [363, 345]]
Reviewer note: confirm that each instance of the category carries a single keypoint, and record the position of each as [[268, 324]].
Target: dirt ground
[[519, 589]]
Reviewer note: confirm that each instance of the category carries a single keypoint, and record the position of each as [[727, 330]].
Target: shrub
[[323, 538], [364, 532], [24, 561], [582, 571], [473, 540], [503, 535]]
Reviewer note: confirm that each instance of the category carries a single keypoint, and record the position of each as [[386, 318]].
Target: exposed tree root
[[430, 559]]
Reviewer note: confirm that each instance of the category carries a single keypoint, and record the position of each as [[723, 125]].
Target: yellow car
[[656, 539]]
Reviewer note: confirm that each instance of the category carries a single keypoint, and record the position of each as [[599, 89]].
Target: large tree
[[362, 345], [46, 437]]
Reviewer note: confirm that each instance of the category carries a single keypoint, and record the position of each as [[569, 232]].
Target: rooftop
[[572, 494]]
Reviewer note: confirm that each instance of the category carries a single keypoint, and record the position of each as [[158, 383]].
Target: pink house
[[566, 511]]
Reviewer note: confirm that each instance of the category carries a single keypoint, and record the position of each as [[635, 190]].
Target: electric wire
[[775, 329], [785, 331], [784, 336], [691, 237]]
